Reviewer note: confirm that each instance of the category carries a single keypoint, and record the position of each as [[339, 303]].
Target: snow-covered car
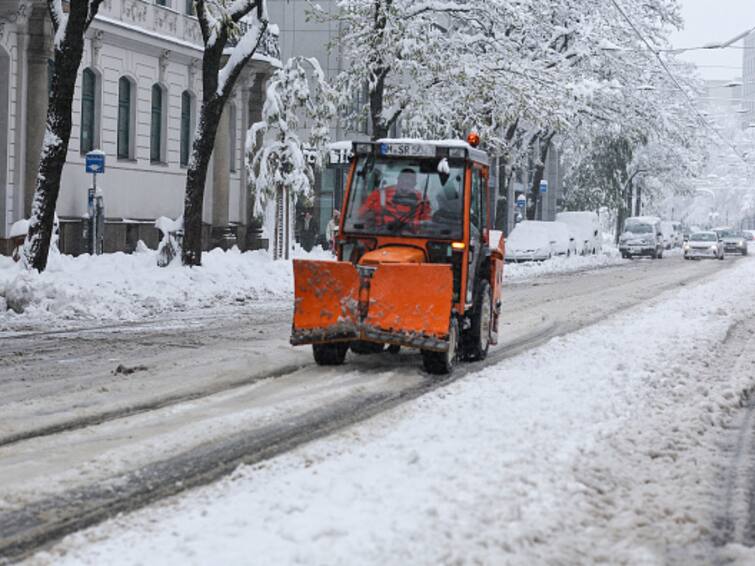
[[669, 234], [585, 226], [702, 245], [561, 238], [642, 236], [749, 235], [734, 242], [529, 241]]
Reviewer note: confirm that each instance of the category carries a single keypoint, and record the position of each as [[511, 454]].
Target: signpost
[[95, 163], [543, 186]]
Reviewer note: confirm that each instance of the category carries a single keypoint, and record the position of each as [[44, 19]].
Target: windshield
[[406, 197], [726, 234], [639, 228], [703, 237]]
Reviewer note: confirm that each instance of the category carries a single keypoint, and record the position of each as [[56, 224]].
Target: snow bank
[[122, 287], [562, 264], [594, 448]]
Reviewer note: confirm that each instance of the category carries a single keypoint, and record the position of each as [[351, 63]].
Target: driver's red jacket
[[386, 206]]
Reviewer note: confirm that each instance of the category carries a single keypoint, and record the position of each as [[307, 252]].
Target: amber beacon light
[[473, 139]]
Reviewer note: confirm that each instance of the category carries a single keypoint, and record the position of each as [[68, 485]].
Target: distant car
[[642, 236], [702, 245], [734, 242], [749, 235], [529, 241], [669, 235], [585, 226]]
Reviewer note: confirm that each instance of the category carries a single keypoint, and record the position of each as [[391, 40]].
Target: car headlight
[[741, 243], [714, 248]]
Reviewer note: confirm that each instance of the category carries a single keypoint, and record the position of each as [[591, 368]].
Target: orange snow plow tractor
[[418, 264]]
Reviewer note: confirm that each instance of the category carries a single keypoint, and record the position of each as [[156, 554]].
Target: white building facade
[[137, 98], [748, 79]]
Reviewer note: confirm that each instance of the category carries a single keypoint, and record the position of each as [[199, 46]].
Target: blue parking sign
[[95, 162]]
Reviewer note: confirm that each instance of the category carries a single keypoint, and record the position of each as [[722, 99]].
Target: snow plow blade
[[404, 304], [326, 307], [410, 305]]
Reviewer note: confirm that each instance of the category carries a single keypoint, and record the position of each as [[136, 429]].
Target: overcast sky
[[711, 21]]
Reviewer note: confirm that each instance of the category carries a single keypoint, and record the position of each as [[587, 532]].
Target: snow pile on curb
[[560, 264], [598, 447], [127, 287]]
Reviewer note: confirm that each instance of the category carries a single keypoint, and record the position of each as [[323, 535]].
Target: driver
[[399, 205]]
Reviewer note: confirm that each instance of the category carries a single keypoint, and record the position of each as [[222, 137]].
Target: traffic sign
[[543, 186], [521, 201], [95, 162]]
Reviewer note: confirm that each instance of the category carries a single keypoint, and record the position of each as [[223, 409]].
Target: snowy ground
[[599, 446], [120, 287]]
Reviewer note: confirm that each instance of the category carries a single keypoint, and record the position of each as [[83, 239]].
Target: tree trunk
[[66, 59], [196, 176], [545, 144]]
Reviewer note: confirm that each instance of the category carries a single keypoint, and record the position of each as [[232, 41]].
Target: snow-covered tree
[[69, 26], [231, 32], [281, 164]]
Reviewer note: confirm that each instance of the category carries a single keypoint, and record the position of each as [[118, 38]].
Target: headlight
[[741, 243], [714, 248]]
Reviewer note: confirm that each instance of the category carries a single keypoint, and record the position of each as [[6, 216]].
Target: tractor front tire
[[476, 340], [442, 363], [365, 348], [329, 354]]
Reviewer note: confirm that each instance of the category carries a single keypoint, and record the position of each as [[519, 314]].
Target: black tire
[[442, 363], [476, 340], [329, 354], [366, 348], [721, 257], [744, 252]]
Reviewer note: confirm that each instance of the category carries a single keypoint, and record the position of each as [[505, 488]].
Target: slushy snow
[[596, 447]]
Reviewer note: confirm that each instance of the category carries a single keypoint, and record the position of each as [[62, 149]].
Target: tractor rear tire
[[442, 363], [329, 354], [476, 340]]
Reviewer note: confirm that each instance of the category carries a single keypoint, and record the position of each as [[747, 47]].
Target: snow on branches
[[296, 92]]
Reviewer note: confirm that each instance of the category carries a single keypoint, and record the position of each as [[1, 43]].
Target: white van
[[585, 226], [642, 236]]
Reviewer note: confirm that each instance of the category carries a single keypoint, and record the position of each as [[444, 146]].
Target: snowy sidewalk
[[596, 447]]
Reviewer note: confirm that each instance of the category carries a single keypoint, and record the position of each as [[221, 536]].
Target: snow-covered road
[[198, 388]]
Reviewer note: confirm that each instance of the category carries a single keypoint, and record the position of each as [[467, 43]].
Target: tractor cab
[[418, 264]]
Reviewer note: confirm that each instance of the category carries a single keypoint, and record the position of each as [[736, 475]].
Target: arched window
[[156, 125], [232, 136], [187, 111], [88, 98], [125, 93]]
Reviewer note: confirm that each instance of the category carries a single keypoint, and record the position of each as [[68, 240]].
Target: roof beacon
[[473, 139]]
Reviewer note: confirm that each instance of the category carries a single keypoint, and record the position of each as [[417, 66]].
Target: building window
[[88, 97], [232, 136], [190, 7], [156, 125], [186, 114], [124, 118], [161, 2]]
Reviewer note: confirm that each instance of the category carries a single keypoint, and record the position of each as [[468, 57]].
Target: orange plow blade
[[326, 307], [410, 304]]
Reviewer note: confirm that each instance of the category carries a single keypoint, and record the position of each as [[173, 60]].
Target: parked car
[[561, 238], [585, 226], [642, 236], [669, 235], [734, 242], [704, 244], [529, 241], [749, 235]]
